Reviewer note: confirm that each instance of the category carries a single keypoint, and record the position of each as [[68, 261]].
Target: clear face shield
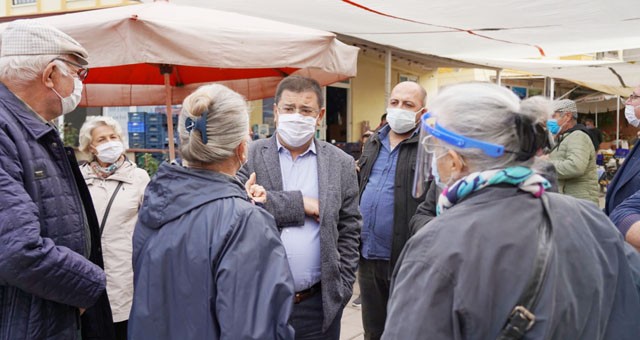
[[435, 140]]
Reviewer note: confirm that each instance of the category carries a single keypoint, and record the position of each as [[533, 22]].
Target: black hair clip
[[200, 124]]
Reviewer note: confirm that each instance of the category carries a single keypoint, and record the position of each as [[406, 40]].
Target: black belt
[[307, 293]]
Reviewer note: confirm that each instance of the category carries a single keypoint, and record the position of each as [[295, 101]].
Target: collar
[[311, 148], [30, 120]]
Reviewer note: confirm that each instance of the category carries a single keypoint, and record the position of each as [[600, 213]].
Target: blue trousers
[[307, 318]]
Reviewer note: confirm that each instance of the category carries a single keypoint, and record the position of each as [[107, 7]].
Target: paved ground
[[352, 320]]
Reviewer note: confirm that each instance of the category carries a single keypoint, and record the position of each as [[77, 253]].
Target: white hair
[[227, 124], [486, 112], [92, 122], [21, 70]]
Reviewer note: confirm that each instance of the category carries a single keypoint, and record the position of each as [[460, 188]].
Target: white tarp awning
[[490, 31]]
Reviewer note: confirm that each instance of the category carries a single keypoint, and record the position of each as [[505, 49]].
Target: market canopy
[[489, 31], [131, 47]]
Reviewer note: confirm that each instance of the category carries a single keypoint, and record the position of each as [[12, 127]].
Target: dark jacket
[[340, 219], [625, 183], [426, 211], [48, 229], [207, 263], [404, 204], [470, 265]]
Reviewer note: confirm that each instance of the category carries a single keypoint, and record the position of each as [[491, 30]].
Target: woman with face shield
[[505, 257]]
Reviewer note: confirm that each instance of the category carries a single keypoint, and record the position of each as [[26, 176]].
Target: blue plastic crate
[[137, 117], [135, 127], [156, 118], [137, 140], [154, 128]]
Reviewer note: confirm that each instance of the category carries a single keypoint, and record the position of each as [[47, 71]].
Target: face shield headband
[[430, 130]]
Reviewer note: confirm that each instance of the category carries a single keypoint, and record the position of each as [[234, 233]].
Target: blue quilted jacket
[[44, 237]]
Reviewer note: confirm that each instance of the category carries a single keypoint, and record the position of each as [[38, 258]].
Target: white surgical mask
[[70, 103], [401, 120], [110, 152], [630, 114], [296, 129]]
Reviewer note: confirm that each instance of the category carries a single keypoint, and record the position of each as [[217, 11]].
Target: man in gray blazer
[[312, 191]]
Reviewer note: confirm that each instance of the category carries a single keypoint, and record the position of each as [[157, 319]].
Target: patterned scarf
[[104, 172], [524, 178]]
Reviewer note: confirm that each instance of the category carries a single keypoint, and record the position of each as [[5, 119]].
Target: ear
[[457, 163], [420, 113], [47, 75], [275, 114], [320, 116], [241, 150]]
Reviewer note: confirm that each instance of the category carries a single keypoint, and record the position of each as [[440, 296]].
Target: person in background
[[207, 262], [468, 273], [117, 187], [50, 253], [386, 201], [312, 191], [573, 156], [596, 134], [383, 121]]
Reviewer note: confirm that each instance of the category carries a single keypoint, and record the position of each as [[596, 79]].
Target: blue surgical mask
[[552, 126], [434, 171]]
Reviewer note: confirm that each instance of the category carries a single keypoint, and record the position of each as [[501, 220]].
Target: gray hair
[[227, 124], [486, 112], [21, 70], [92, 122]]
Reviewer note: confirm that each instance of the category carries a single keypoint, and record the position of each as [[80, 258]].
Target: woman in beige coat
[[117, 188]]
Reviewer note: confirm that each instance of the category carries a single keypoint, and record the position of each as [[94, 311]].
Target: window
[[23, 2], [407, 77]]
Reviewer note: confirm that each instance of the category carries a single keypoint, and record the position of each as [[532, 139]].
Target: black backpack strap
[[106, 212], [522, 318]]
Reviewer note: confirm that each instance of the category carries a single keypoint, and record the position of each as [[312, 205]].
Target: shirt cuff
[[625, 224]]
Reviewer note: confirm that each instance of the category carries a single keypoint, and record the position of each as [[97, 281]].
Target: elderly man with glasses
[[623, 194], [50, 253]]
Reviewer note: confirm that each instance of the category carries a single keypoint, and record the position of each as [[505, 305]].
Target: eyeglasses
[[431, 145], [305, 110], [82, 70], [633, 96]]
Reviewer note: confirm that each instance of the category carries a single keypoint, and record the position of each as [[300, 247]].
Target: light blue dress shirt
[[301, 243], [376, 203]]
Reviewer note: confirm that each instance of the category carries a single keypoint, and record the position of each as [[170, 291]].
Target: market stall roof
[[462, 29], [495, 33]]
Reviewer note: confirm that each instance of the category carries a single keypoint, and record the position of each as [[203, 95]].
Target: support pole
[[618, 122], [499, 77], [387, 77], [166, 72]]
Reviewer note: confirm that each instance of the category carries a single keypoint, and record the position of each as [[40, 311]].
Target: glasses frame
[[82, 72], [633, 96]]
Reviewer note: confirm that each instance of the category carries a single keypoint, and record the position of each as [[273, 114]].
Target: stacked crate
[[136, 128]]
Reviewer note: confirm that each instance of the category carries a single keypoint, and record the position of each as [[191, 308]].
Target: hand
[[256, 192], [311, 207], [82, 310]]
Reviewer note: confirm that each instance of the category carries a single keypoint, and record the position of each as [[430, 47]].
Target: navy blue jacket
[[45, 232], [207, 263], [626, 181]]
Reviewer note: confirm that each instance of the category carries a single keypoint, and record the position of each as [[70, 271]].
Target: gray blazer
[[340, 219]]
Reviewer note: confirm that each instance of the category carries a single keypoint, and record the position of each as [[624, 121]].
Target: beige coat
[[118, 229]]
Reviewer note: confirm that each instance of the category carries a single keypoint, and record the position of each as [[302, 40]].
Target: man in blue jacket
[[50, 254]]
